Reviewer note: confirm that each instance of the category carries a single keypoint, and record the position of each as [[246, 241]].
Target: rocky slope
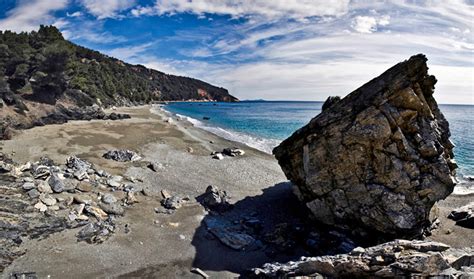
[[40, 70], [376, 161]]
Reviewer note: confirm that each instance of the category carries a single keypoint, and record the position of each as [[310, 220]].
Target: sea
[[264, 124]]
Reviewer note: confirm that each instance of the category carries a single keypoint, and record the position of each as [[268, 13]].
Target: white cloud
[[369, 24], [128, 53], [28, 15], [275, 9], [75, 14], [107, 8]]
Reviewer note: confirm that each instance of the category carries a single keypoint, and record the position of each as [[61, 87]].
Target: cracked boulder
[[377, 160]]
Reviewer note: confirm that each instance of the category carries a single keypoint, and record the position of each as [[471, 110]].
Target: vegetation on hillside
[[44, 67]]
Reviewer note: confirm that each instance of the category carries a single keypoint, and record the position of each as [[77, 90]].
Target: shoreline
[[169, 245]]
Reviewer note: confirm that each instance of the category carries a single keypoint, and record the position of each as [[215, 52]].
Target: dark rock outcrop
[[377, 160], [464, 216], [396, 259]]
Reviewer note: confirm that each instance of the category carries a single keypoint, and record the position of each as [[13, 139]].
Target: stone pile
[[45, 198], [395, 259]]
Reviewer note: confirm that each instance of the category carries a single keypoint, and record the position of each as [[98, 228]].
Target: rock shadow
[[275, 226]]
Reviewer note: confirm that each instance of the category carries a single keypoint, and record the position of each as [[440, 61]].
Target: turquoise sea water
[[263, 125]]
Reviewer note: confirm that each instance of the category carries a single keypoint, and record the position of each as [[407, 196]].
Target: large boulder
[[377, 160]]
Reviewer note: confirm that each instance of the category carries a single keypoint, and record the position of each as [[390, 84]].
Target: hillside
[[41, 73]]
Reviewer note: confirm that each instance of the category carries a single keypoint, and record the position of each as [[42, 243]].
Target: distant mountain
[[44, 67]]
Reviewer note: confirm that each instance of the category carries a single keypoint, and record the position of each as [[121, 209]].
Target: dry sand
[[159, 245]]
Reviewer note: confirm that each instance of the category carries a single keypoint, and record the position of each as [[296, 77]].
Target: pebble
[[182, 237], [218, 156], [41, 207], [82, 199], [84, 186], [33, 193], [44, 187], [28, 179], [109, 198], [48, 200], [28, 186]]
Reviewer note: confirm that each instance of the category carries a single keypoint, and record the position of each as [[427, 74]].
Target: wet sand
[[160, 245]]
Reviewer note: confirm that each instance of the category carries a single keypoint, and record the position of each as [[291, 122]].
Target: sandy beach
[[154, 245]]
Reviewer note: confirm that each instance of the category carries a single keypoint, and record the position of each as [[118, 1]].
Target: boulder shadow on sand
[[270, 227]]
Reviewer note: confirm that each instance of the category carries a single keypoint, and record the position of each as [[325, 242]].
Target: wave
[[263, 144]]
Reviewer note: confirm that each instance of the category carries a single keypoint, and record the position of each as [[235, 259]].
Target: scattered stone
[[79, 208], [190, 149], [154, 166], [112, 208], [108, 198], [122, 155], [377, 160], [218, 156], [173, 202], [214, 199], [95, 233], [56, 184], [48, 200], [131, 198], [115, 181], [83, 199], [230, 235], [41, 206], [33, 193], [199, 272], [84, 186], [28, 186], [165, 194], [96, 212], [44, 187], [28, 179], [233, 152], [399, 258], [464, 216], [162, 210]]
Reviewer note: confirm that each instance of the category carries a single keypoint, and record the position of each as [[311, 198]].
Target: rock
[[122, 155], [165, 194], [154, 166], [399, 258], [112, 208], [108, 198], [115, 181], [44, 187], [377, 160], [84, 186], [48, 200], [79, 166], [190, 149], [214, 199], [83, 199], [96, 232], [218, 156], [330, 101], [464, 216], [56, 184], [173, 202], [230, 235], [28, 186], [79, 208], [33, 193], [96, 212], [41, 207], [131, 198], [233, 152]]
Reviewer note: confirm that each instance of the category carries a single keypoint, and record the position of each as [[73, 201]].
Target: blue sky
[[270, 49]]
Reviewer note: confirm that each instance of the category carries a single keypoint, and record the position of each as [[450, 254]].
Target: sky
[[270, 49]]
